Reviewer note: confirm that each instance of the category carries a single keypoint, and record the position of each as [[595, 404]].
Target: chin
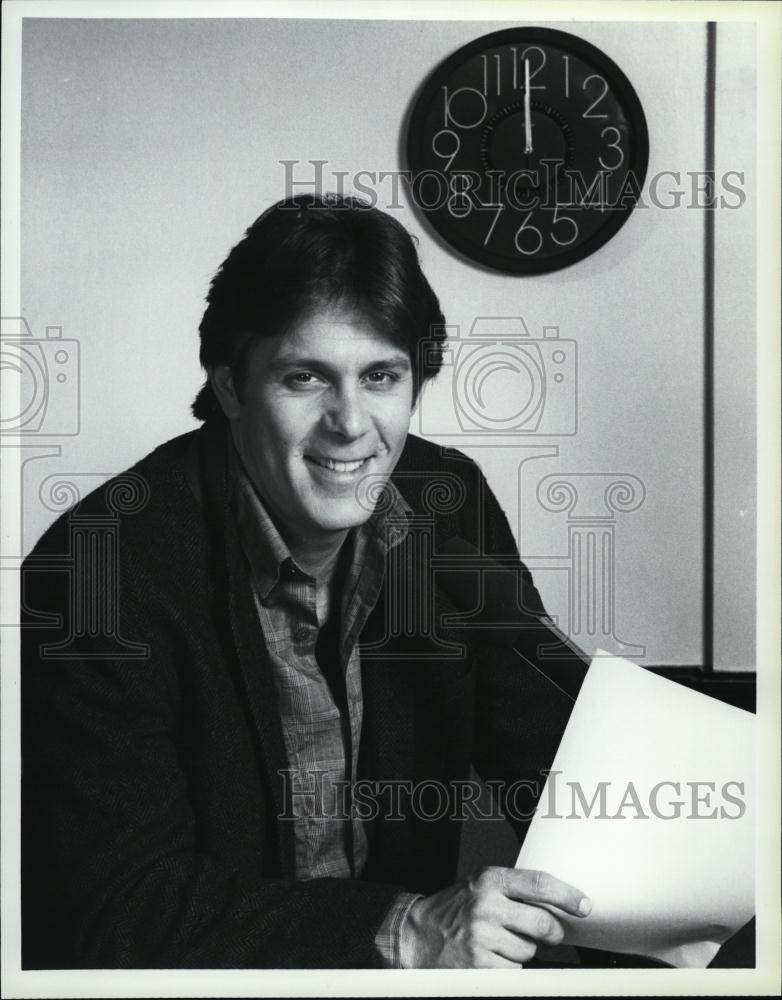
[[343, 520]]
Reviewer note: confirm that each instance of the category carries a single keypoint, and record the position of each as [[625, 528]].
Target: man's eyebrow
[[400, 362]]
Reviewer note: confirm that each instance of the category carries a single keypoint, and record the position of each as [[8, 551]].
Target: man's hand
[[493, 920]]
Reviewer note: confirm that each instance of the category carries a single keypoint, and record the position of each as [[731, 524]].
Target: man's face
[[324, 405]]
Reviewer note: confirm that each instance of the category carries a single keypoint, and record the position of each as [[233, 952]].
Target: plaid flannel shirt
[[321, 741]]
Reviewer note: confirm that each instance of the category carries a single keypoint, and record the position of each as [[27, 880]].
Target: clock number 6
[[612, 145], [524, 228]]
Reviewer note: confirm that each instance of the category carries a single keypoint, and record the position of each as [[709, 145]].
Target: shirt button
[[302, 634]]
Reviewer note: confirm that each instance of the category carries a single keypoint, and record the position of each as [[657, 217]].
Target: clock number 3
[[612, 145]]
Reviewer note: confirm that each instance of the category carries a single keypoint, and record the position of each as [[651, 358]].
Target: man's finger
[[531, 921], [530, 886], [513, 947], [492, 960]]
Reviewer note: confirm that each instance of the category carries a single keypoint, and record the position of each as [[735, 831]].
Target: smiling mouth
[[336, 466]]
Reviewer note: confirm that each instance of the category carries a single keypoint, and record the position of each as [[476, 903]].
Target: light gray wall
[[149, 146]]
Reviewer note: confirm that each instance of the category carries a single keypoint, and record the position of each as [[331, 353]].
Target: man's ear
[[222, 381]]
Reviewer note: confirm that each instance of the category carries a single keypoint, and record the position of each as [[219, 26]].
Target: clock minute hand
[[527, 122]]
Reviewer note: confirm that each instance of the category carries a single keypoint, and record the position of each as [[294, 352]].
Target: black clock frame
[[619, 84]]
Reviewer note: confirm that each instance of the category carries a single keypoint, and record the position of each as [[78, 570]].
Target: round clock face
[[528, 149]]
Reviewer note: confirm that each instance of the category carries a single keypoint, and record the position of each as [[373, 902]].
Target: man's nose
[[347, 414]]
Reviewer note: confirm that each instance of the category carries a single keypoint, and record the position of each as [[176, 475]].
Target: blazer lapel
[[252, 662]]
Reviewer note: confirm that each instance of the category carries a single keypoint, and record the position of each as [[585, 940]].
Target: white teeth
[[335, 466]]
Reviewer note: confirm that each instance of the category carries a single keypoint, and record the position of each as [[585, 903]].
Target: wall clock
[[527, 149]]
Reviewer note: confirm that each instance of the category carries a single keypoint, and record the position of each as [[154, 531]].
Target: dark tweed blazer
[[151, 742]]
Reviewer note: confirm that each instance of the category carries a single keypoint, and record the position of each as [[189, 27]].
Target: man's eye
[[303, 379], [382, 378]]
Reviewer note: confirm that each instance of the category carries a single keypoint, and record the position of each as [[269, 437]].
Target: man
[[198, 805]]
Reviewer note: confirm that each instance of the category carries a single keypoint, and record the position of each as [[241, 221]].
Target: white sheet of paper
[[668, 888]]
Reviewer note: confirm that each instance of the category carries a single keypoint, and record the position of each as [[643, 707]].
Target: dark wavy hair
[[312, 252]]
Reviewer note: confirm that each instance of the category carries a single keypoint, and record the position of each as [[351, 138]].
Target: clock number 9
[[446, 154], [612, 145]]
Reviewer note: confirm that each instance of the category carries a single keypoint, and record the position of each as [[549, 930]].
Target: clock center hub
[[504, 143]]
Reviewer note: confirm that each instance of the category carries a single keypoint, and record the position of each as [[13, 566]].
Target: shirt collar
[[270, 558]]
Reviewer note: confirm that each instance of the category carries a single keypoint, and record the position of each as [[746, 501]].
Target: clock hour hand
[[527, 108]]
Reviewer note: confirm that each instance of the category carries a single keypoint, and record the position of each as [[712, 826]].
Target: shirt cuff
[[388, 936]]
